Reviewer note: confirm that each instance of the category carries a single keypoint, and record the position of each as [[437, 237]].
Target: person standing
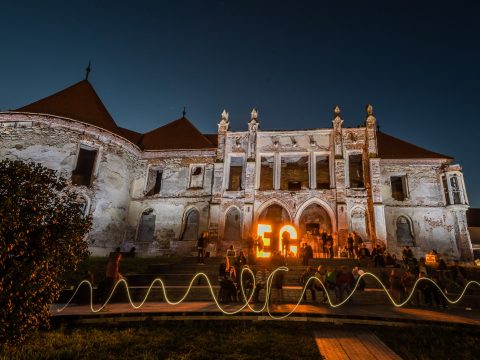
[[308, 273], [350, 244], [112, 274], [202, 240]]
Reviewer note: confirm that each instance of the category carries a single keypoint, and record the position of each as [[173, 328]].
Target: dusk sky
[[417, 62]]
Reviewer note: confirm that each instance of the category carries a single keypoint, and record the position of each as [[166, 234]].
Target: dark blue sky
[[417, 62]]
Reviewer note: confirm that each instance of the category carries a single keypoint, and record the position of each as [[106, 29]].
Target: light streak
[[268, 289]]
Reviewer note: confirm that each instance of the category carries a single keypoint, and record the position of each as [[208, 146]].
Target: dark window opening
[[355, 169], [196, 178], [445, 190], [236, 171], [154, 182], [266, 173], [197, 171], [398, 188], [83, 173], [323, 172], [457, 199], [294, 172], [294, 185], [404, 232]]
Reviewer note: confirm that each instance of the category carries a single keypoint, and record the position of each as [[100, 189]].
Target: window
[[398, 184], [196, 177], [455, 188], [83, 173], [404, 232], [154, 182], [355, 170], [294, 172], [266, 172], [445, 190], [322, 172], [235, 176]]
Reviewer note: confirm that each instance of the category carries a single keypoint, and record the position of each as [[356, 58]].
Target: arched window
[[146, 227], [358, 222], [233, 230], [190, 231], [404, 232]]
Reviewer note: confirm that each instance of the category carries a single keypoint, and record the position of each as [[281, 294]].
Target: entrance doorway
[[276, 216], [313, 222]]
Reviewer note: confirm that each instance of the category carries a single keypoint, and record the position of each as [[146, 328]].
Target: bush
[[42, 231]]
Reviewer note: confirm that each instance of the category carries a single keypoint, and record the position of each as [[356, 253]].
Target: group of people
[[341, 282], [232, 279]]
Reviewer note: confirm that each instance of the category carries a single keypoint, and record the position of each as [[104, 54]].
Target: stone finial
[[370, 118], [337, 120], [369, 109], [254, 114], [225, 115], [253, 124], [223, 124]]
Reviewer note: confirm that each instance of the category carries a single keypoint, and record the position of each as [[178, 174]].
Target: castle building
[[159, 190]]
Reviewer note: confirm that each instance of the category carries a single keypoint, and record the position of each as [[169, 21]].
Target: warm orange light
[[261, 230], [290, 229]]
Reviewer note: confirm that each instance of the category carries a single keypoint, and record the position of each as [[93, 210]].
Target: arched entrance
[[233, 230], [276, 216], [314, 220]]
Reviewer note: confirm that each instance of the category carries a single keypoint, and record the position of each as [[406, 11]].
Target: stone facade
[[333, 179]]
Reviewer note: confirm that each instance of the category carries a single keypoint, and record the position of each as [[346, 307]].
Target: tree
[[42, 235]]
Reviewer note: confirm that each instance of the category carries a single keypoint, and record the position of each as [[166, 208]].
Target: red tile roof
[[79, 102], [179, 134], [390, 147], [131, 135]]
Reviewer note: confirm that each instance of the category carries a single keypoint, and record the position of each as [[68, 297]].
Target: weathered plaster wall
[[55, 144]]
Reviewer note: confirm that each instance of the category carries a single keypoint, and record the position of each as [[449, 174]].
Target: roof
[[178, 134], [390, 147], [131, 135], [78, 102], [213, 138]]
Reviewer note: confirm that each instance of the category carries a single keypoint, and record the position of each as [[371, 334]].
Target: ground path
[[337, 344], [350, 314]]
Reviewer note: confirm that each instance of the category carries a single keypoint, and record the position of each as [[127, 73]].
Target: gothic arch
[[359, 224], [146, 226], [190, 224], [323, 204], [404, 232], [232, 224], [269, 203]]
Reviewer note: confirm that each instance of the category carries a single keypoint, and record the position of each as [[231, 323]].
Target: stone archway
[[276, 216], [313, 220], [233, 229], [192, 220], [146, 227]]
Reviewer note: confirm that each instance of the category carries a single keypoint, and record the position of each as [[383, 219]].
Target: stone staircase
[[178, 276]]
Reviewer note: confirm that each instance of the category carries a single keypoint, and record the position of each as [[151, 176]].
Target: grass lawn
[[422, 343], [174, 340], [234, 340]]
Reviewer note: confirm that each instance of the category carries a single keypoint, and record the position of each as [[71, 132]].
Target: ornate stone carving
[[223, 124]]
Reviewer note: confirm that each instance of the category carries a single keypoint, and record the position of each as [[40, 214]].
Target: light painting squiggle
[[268, 289]]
